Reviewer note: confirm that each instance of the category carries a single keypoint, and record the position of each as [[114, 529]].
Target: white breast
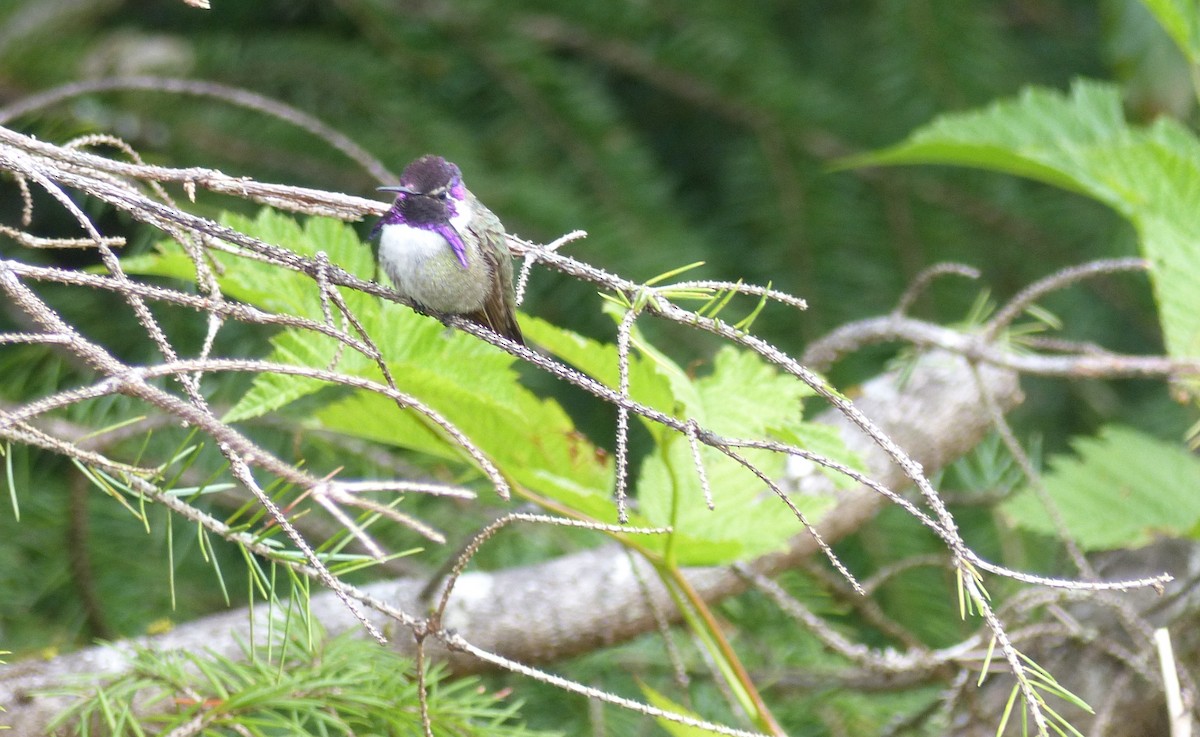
[[423, 267], [404, 251]]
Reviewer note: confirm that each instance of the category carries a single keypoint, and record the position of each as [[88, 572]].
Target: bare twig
[[456, 642], [225, 93], [1084, 365], [1056, 281], [926, 277]]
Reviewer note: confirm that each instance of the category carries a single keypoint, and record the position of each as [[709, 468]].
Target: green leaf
[[1181, 21], [671, 374], [1081, 142], [647, 384], [265, 285], [532, 440], [827, 441], [470, 383], [743, 397], [271, 392], [674, 728], [1120, 489]]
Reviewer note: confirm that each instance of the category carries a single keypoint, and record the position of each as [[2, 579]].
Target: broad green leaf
[[1119, 489], [468, 382], [1081, 141], [264, 285], [827, 441], [283, 291], [743, 397], [748, 519], [751, 394], [530, 439], [686, 402], [270, 392], [599, 361]]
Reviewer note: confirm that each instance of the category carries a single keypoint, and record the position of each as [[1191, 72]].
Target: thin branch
[[1009, 438], [486, 533], [922, 281], [624, 335], [896, 329], [225, 93], [1054, 282], [456, 642]]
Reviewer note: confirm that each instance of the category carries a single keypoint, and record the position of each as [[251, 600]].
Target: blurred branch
[[1091, 364], [199, 88]]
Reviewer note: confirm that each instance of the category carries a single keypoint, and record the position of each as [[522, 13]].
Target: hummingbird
[[444, 250]]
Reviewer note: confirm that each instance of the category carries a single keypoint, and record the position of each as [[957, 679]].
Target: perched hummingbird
[[445, 251]]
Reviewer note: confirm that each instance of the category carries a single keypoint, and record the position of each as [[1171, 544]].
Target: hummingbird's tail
[[504, 323]]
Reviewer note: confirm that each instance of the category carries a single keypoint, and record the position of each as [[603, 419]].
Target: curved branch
[[821, 354], [232, 95]]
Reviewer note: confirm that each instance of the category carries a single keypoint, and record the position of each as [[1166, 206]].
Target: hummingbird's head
[[429, 193], [431, 196]]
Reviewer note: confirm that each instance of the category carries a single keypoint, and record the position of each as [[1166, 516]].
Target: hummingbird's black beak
[[396, 188]]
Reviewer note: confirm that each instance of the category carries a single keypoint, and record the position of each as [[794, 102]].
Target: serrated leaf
[[1081, 142], [265, 285], [743, 397], [270, 392], [468, 382], [685, 402], [827, 441], [748, 520], [751, 394], [599, 361], [1119, 489], [532, 439]]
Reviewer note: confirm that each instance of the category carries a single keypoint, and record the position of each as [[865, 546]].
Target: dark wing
[[500, 307]]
